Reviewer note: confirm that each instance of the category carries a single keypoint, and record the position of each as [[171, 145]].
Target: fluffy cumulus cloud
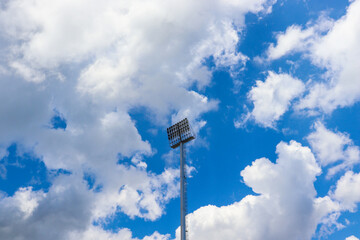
[[94, 233], [272, 98], [136, 192], [333, 148], [352, 238], [90, 64], [64, 212], [285, 207], [136, 53], [340, 85], [296, 39], [37, 215], [347, 190]]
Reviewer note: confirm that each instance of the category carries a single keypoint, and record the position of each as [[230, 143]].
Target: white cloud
[[28, 73], [331, 45], [272, 98], [141, 53], [64, 212], [26, 201], [348, 190], [37, 215], [3, 152], [296, 39], [96, 233], [128, 54], [84, 143], [352, 238], [93, 63], [136, 192], [333, 148], [286, 207]]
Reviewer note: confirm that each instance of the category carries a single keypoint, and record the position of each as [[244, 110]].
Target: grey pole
[[182, 192], [179, 134]]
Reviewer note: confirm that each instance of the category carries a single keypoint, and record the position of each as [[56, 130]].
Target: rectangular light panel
[[180, 132]]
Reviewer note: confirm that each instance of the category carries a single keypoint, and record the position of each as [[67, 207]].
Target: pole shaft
[[182, 191]]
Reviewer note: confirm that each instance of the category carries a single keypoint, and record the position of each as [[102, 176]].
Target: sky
[[271, 89]]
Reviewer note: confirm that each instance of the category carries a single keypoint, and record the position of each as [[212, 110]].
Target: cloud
[[3, 171], [37, 215], [136, 192], [352, 238], [28, 73], [272, 98], [135, 53], [294, 39], [88, 144], [121, 55], [339, 86], [95, 233], [333, 148], [64, 212], [93, 63], [347, 190], [285, 207], [84, 145], [297, 39]]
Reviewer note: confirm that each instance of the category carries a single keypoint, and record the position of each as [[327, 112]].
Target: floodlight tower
[[179, 134]]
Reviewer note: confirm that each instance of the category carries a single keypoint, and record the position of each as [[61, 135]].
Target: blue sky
[[88, 88]]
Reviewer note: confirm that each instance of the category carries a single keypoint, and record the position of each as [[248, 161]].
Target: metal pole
[[182, 191]]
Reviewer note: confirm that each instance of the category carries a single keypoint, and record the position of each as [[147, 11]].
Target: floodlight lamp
[[180, 132]]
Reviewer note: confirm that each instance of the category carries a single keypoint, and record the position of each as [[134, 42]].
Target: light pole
[[179, 134]]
